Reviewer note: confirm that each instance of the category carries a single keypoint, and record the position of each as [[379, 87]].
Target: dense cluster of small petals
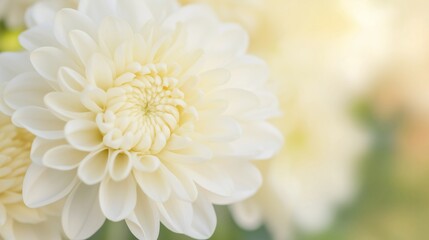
[[17, 221]]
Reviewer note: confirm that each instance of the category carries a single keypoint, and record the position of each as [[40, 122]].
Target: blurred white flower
[[316, 170], [317, 65], [17, 221], [143, 111], [13, 11]]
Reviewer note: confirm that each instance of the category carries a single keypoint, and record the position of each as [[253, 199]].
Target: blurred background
[[353, 82]]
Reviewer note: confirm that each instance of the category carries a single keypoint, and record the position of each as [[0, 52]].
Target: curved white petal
[[182, 185], [120, 165], [144, 221], [83, 135], [100, 72], [63, 157], [231, 41], [134, 12], [213, 79], [26, 89], [34, 119], [84, 45], [93, 167], [40, 146], [118, 199], [162, 8], [245, 179], [223, 129], [259, 141], [82, 215], [212, 177], [97, 10], [176, 215], [200, 22], [247, 214], [94, 99], [67, 20], [36, 37], [48, 60], [12, 64], [194, 153], [247, 72], [67, 105], [35, 231], [204, 219], [240, 101], [154, 184], [147, 163], [43, 186], [177, 142], [113, 32], [70, 81]]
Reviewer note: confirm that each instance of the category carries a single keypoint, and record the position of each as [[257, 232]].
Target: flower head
[[145, 110], [315, 172], [16, 219]]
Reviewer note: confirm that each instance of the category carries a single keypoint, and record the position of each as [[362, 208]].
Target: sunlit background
[[353, 81]]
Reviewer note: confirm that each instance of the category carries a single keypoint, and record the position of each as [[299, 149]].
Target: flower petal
[[26, 89], [40, 146], [14, 63], [48, 60], [176, 215], [63, 157], [93, 167], [232, 40], [43, 186], [67, 105], [118, 199], [100, 72], [97, 10], [134, 12], [82, 215], [211, 177], [36, 37], [70, 81], [83, 135], [144, 221], [112, 33], [67, 20], [83, 44], [94, 99], [204, 219], [154, 184], [147, 163], [39, 121], [245, 179], [223, 129], [248, 72], [200, 21], [120, 165], [162, 8], [194, 153], [259, 140]]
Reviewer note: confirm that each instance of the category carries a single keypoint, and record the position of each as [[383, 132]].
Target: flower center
[[143, 108]]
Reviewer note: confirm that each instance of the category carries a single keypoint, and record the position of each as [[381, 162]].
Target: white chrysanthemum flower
[[17, 221], [13, 11], [316, 170], [143, 111]]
